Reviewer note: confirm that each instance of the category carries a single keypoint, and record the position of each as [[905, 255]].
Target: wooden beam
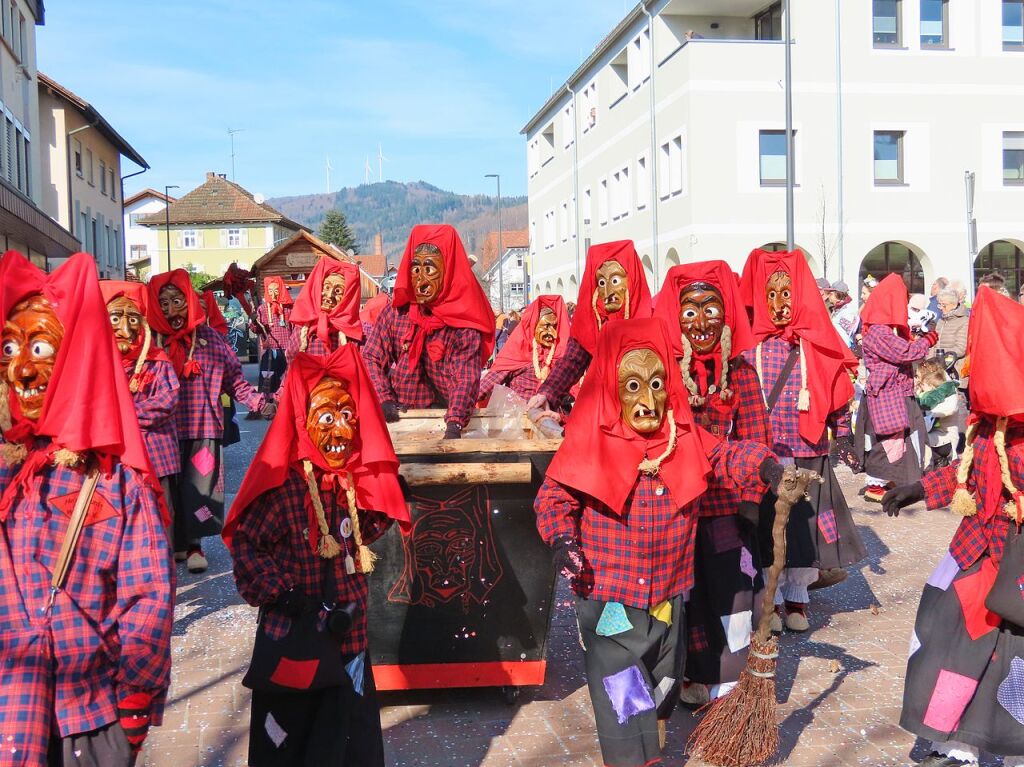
[[466, 473], [456, 446]]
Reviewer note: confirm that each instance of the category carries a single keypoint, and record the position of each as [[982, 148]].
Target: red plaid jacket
[[109, 633], [785, 418], [644, 556], [976, 536], [565, 373], [280, 330], [743, 418], [313, 345], [523, 382], [273, 556], [155, 405], [200, 414], [889, 361], [449, 370]]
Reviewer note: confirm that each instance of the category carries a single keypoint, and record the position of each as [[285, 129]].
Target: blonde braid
[[342, 338], [11, 453], [303, 338], [723, 383], [1015, 507], [593, 305], [963, 501], [366, 557], [147, 342], [328, 546], [192, 346], [803, 401], [652, 467], [542, 371], [684, 368]]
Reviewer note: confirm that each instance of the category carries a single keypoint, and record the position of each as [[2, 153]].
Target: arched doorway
[[894, 258], [574, 288], [560, 288], [547, 286], [1005, 257], [671, 259], [779, 247], [648, 271]]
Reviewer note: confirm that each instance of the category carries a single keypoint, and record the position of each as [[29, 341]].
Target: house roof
[[510, 238], [219, 201], [147, 192], [316, 243], [97, 120], [374, 264]]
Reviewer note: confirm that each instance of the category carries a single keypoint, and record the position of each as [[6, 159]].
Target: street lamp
[[501, 269], [167, 219]]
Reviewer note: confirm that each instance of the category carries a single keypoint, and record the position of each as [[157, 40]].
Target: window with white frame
[[78, 159], [234, 238], [103, 178], [588, 209], [568, 129], [563, 223], [533, 157], [133, 219], [572, 216], [547, 144], [643, 182], [670, 167], [1013, 158], [550, 235], [621, 194], [590, 106], [602, 201], [887, 23], [772, 156], [618, 78], [533, 236], [515, 291], [90, 172], [189, 238], [1013, 25], [888, 151], [113, 187], [934, 23], [639, 60]]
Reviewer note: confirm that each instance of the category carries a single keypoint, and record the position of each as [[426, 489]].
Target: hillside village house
[[81, 168], [215, 224], [515, 245], [671, 133], [295, 258], [142, 243]]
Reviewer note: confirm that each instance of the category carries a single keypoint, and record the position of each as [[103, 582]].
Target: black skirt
[[820, 532], [198, 492], [908, 469]]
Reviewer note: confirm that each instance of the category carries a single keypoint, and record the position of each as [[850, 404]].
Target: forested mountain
[[392, 209]]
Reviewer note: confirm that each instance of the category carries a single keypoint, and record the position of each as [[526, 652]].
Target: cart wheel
[[510, 695]]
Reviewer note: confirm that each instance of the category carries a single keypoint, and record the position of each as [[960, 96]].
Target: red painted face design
[[28, 350], [127, 321], [174, 307], [331, 422], [779, 294], [702, 316]]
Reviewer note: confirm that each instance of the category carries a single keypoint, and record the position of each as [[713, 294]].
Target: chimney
[[210, 175], [378, 243]]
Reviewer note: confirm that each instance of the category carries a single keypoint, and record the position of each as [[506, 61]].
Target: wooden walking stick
[[740, 729]]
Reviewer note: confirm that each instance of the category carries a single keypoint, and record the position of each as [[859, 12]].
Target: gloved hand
[[133, 715], [931, 337], [847, 454], [390, 408], [292, 603], [567, 557], [770, 471], [453, 431], [340, 620], [901, 497], [537, 402]]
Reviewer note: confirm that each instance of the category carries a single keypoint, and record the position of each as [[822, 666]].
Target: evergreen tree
[[335, 230]]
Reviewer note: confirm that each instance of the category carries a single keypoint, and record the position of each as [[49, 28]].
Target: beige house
[[81, 170]]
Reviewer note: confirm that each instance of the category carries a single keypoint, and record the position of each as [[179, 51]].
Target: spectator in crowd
[[825, 291], [996, 281], [952, 325], [866, 287], [944, 408], [691, 35], [961, 295], [844, 312], [941, 283]]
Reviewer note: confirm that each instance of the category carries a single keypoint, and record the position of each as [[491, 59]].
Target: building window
[[549, 230], [533, 236], [133, 220], [533, 157], [78, 159], [89, 171], [234, 238], [602, 201], [113, 187], [1004, 257], [621, 194], [547, 145], [618, 78], [21, 37], [139, 252], [888, 157], [639, 60], [772, 151], [643, 183], [11, 170], [934, 23], [103, 178], [515, 291], [768, 23], [1013, 25], [564, 222], [588, 209], [589, 107], [886, 23], [1013, 158], [568, 129], [189, 238]]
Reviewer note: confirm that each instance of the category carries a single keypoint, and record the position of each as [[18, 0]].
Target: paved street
[[840, 685]]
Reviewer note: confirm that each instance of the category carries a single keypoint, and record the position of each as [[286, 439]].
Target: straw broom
[[740, 728]]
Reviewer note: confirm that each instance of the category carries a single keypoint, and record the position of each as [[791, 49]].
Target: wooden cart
[[465, 599]]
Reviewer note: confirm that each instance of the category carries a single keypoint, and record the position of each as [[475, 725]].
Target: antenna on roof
[[231, 133], [329, 169], [381, 159]]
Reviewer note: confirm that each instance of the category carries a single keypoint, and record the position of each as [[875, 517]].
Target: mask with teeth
[[642, 391], [28, 350], [427, 273], [701, 316], [331, 422], [546, 332], [779, 294], [332, 291], [273, 291], [174, 307], [126, 319], [612, 286]]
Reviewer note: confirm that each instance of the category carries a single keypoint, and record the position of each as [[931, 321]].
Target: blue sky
[[444, 86]]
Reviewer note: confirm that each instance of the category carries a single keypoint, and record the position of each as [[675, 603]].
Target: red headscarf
[[179, 345], [517, 353], [371, 309], [373, 463], [585, 322], [344, 318], [995, 347], [461, 302], [214, 316], [88, 406], [284, 298], [826, 358], [887, 305], [596, 428]]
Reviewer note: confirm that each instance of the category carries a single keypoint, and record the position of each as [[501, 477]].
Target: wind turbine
[[367, 170], [329, 169], [381, 159]]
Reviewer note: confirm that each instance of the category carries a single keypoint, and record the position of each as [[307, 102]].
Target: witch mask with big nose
[[612, 286], [331, 422], [642, 391], [779, 294], [427, 273], [701, 316], [29, 343]]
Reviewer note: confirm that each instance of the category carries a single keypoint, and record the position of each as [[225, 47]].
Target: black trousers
[[105, 747]]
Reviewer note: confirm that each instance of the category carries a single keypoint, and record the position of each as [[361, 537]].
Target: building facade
[[505, 273], [142, 243], [81, 168], [671, 134], [214, 225]]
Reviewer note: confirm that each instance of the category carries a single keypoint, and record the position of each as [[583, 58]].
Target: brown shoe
[[196, 562], [796, 617], [776, 624], [829, 577]]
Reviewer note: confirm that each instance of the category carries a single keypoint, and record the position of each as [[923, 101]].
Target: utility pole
[[501, 266], [790, 164], [972, 229], [231, 133]]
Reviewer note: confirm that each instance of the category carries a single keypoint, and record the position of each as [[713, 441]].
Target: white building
[[141, 243], [505, 272], [672, 134]]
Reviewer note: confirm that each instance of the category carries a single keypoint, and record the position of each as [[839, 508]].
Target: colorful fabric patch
[[204, 461], [971, 591], [275, 732], [613, 620], [698, 639], [725, 534], [944, 573], [1011, 691], [737, 629], [663, 613], [949, 700], [915, 643], [297, 674], [747, 563], [203, 513], [356, 669], [99, 507], [827, 525], [629, 693]]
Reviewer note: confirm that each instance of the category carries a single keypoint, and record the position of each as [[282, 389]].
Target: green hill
[[392, 209]]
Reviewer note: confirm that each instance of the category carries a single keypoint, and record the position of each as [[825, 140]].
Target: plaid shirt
[[109, 633], [313, 344], [888, 359], [200, 414], [280, 331], [644, 556], [975, 536], [449, 369], [785, 418], [155, 404], [273, 556], [523, 382], [565, 373]]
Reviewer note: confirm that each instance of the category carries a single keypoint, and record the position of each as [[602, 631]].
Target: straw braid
[[542, 371], [342, 338], [147, 342], [328, 546], [1014, 508], [696, 400], [11, 453], [803, 402], [597, 314], [725, 393], [652, 467], [963, 501], [366, 557], [304, 338]]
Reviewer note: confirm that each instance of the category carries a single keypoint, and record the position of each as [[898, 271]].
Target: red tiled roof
[[374, 264], [219, 201], [510, 238]]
